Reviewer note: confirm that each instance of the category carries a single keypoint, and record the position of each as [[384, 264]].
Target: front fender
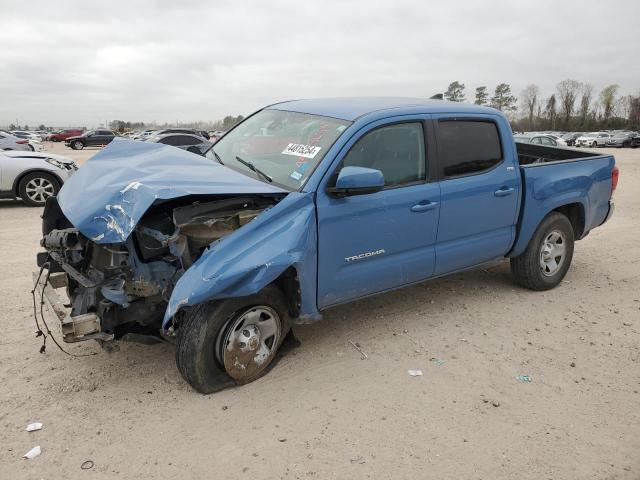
[[252, 257]]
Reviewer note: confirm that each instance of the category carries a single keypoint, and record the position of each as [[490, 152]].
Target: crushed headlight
[[55, 163]]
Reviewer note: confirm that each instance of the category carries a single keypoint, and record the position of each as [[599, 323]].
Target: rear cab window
[[468, 147]]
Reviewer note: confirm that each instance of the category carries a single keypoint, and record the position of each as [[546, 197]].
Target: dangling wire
[[39, 332]]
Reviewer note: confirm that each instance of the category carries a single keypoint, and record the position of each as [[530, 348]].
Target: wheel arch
[[576, 214], [18, 179]]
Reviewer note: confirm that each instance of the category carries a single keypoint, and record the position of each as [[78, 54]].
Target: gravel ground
[[323, 412]]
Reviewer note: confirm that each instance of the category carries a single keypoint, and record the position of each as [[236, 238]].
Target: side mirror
[[357, 181]]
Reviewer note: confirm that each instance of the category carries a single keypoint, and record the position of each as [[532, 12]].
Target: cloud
[[81, 63]]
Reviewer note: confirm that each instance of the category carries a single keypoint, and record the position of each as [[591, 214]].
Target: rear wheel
[[31, 147], [231, 341], [548, 256], [36, 187]]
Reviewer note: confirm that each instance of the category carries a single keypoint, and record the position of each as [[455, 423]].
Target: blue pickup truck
[[303, 206]]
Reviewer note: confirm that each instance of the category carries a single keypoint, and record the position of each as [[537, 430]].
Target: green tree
[[41, 127], [607, 99], [585, 104], [482, 96], [502, 98], [455, 92]]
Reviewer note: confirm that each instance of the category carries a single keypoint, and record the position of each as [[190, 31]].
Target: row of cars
[[34, 175], [618, 139], [196, 141]]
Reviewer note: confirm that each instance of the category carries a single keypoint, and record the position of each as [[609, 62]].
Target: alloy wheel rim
[[249, 341], [552, 253], [39, 189]]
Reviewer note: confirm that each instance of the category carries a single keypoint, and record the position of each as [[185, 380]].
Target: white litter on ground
[[415, 373], [33, 453], [32, 427]]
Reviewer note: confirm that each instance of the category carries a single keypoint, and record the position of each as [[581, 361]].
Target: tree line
[[573, 106]]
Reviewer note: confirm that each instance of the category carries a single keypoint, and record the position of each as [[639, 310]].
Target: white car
[[27, 135], [559, 140], [33, 176], [8, 141], [594, 139]]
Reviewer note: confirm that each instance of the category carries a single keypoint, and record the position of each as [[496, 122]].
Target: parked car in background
[[33, 176], [309, 204], [35, 141], [190, 143], [191, 131], [216, 135], [624, 140], [62, 135], [92, 138], [546, 140], [143, 135], [593, 139], [27, 135], [11, 142], [570, 138], [558, 139]]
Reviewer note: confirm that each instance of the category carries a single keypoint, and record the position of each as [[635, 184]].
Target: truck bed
[[530, 154], [559, 177]]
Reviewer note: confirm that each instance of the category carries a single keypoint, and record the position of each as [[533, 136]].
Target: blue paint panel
[[549, 186], [106, 198], [253, 256]]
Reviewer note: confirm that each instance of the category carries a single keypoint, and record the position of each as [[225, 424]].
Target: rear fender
[[252, 257]]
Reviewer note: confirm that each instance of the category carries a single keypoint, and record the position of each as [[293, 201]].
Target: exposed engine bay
[[127, 285]]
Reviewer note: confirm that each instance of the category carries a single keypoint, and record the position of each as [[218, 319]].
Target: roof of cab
[[351, 108]]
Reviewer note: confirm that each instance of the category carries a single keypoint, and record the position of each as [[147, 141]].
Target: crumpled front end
[[126, 286]]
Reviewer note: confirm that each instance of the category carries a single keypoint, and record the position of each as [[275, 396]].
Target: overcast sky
[[75, 63]]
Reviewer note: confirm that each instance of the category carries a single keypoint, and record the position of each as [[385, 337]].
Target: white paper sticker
[[300, 150]]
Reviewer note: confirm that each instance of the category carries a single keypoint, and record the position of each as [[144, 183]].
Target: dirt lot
[[323, 412]]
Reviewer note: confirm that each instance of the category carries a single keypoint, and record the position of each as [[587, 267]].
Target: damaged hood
[[106, 198]]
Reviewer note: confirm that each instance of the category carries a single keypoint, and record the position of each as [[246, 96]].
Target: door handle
[[504, 191], [424, 207]]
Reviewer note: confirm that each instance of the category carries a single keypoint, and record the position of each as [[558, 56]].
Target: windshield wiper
[[217, 157], [255, 169]]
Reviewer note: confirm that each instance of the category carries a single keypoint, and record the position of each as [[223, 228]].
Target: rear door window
[[468, 147]]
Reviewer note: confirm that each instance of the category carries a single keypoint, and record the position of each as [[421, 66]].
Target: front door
[[480, 188], [380, 241]]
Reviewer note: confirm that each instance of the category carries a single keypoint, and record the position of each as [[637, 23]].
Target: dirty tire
[[77, 145], [199, 330], [526, 268], [36, 187]]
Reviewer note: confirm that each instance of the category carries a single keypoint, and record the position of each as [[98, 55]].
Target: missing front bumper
[[74, 329]]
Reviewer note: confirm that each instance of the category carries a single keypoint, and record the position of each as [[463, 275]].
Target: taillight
[[615, 174], [22, 142]]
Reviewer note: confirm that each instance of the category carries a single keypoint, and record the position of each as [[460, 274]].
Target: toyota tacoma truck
[[303, 206]]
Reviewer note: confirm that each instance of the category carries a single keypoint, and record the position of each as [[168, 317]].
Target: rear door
[[480, 191], [372, 243]]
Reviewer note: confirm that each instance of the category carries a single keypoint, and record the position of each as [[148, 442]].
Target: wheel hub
[[552, 253], [249, 342]]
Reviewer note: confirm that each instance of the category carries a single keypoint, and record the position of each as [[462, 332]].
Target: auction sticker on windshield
[[300, 150]]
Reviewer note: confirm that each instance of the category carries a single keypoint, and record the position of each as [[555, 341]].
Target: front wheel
[[594, 144], [35, 188], [77, 145], [232, 341], [548, 256]]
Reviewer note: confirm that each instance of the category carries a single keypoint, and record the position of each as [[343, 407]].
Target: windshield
[[285, 146]]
